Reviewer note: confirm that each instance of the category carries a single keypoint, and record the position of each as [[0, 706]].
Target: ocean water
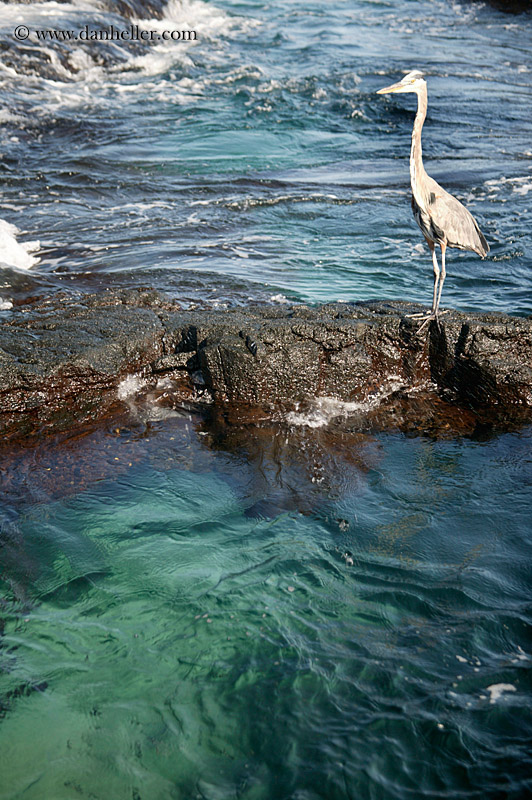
[[292, 610], [258, 160]]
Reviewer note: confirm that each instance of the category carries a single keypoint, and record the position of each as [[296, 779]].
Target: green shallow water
[[165, 639]]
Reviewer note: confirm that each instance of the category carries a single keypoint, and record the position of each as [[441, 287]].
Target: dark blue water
[[258, 160], [177, 617]]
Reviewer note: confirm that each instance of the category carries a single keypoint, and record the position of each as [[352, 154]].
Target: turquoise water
[[177, 615], [163, 638]]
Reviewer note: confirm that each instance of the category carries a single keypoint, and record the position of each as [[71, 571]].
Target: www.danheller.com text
[[133, 33]]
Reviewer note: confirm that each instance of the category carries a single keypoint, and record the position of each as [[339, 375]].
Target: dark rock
[[174, 361], [510, 6], [61, 361]]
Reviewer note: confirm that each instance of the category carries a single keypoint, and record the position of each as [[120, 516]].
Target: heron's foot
[[434, 315], [424, 316], [427, 320]]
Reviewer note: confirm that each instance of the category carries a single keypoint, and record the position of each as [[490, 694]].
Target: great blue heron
[[441, 217]]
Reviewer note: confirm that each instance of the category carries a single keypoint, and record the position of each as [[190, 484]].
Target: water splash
[[12, 252]]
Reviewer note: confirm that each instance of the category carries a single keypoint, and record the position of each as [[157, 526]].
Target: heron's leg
[[436, 269], [442, 276], [435, 294]]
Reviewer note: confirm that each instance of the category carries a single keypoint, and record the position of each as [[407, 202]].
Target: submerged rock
[[62, 362]]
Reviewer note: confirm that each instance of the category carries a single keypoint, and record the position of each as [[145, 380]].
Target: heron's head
[[412, 82]]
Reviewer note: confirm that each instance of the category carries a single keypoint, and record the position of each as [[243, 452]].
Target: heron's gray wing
[[455, 221]]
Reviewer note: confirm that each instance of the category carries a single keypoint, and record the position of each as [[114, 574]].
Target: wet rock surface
[[66, 362], [511, 6]]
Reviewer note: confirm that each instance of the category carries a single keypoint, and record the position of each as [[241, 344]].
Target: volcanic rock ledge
[[62, 361]]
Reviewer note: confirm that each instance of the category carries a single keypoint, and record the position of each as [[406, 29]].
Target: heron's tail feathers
[[483, 247]]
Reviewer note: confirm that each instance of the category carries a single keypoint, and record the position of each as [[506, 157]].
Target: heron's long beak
[[395, 87]]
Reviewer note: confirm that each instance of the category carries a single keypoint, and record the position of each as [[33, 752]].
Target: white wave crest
[[519, 185], [13, 253], [206, 19], [87, 75]]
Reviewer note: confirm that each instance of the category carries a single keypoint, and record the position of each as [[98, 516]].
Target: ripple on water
[[154, 629], [268, 128]]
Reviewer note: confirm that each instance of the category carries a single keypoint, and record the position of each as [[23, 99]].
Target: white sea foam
[[8, 116], [519, 185], [311, 197], [209, 23], [5, 304], [81, 80], [239, 252], [324, 409], [205, 18], [14, 253], [130, 386], [497, 689]]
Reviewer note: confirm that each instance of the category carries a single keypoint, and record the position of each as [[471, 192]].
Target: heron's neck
[[417, 170]]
